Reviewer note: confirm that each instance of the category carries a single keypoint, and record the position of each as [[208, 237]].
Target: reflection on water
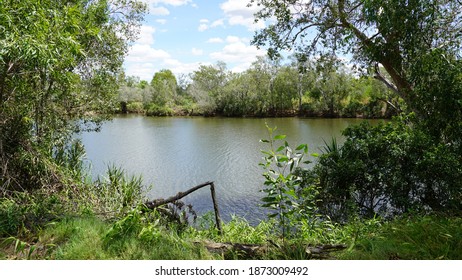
[[174, 154]]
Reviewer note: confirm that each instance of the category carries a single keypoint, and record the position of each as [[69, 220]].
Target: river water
[[176, 153]]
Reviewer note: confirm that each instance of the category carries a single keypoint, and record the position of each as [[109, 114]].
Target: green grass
[[86, 239], [138, 236], [103, 222], [419, 237]]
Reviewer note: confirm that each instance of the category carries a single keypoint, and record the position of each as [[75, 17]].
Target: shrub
[[156, 110], [135, 107], [388, 169], [289, 199]]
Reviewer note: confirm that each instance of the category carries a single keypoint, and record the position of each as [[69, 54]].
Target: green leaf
[[280, 137], [283, 159], [280, 149], [268, 199], [301, 147]]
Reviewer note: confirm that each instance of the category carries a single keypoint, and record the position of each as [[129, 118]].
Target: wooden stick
[[215, 208], [159, 202]]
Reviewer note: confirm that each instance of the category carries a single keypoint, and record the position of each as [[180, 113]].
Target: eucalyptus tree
[[59, 62], [332, 85], [164, 86], [238, 96], [207, 86], [129, 90], [285, 88], [261, 76], [306, 75], [395, 34]]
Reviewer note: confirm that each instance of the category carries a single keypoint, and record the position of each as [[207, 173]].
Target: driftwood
[[323, 251], [159, 202], [247, 251]]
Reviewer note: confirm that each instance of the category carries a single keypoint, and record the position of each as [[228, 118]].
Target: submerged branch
[[159, 202]]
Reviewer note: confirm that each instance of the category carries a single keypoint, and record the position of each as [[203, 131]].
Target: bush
[[386, 170], [135, 107], [156, 110]]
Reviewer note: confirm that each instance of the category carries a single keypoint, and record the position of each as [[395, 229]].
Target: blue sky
[[180, 35]]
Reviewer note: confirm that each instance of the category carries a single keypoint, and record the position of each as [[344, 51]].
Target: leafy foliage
[[302, 87], [58, 64], [388, 169], [394, 34], [284, 193]]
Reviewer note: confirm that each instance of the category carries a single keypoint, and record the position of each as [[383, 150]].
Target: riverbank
[[107, 220], [138, 108], [88, 237]]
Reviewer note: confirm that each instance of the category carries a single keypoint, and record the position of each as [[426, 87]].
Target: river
[[174, 154]]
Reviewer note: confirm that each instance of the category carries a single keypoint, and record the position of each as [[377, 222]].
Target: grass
[[85, 238], [102, 222], [138, 236], [420, 237]]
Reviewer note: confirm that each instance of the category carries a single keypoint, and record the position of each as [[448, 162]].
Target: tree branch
[[159, 202]]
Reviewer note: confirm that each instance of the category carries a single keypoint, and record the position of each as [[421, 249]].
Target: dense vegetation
[[391, 191], [303, 87]]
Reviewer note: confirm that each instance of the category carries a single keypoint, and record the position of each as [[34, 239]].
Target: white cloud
[[238, 13], [145, 71], [168, 2], [197, 52], [237, 52], [161, 21], [204, 24], [146, 35], [160, 11], [219, 22], [202, 27], [143, 61], [143, 53], [233, 39], [155, 7], [215, 40]]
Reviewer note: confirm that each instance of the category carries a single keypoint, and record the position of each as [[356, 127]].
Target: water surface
[[177, 153]]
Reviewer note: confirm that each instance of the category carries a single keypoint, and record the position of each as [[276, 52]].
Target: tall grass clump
[[413, 237]]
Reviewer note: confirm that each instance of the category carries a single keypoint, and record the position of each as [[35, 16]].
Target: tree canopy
[[393, 33], [59, 60]]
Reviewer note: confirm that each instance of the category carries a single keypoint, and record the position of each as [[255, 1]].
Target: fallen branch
[[245, 250], [323, 251], [159, 202], [252, 251]]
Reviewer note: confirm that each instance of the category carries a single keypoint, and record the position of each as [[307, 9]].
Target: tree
[[164, 87], [59, 61], [331, 85], [237, 99], [262, 73], [207, 86], [393, 33], [285, 88]]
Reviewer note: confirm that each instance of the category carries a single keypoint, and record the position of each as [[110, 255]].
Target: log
[[245, 250], [251, 251], [323, 251], [159, 202]]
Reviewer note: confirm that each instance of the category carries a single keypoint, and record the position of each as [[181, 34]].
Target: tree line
[[322, 87], [411, 165]]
